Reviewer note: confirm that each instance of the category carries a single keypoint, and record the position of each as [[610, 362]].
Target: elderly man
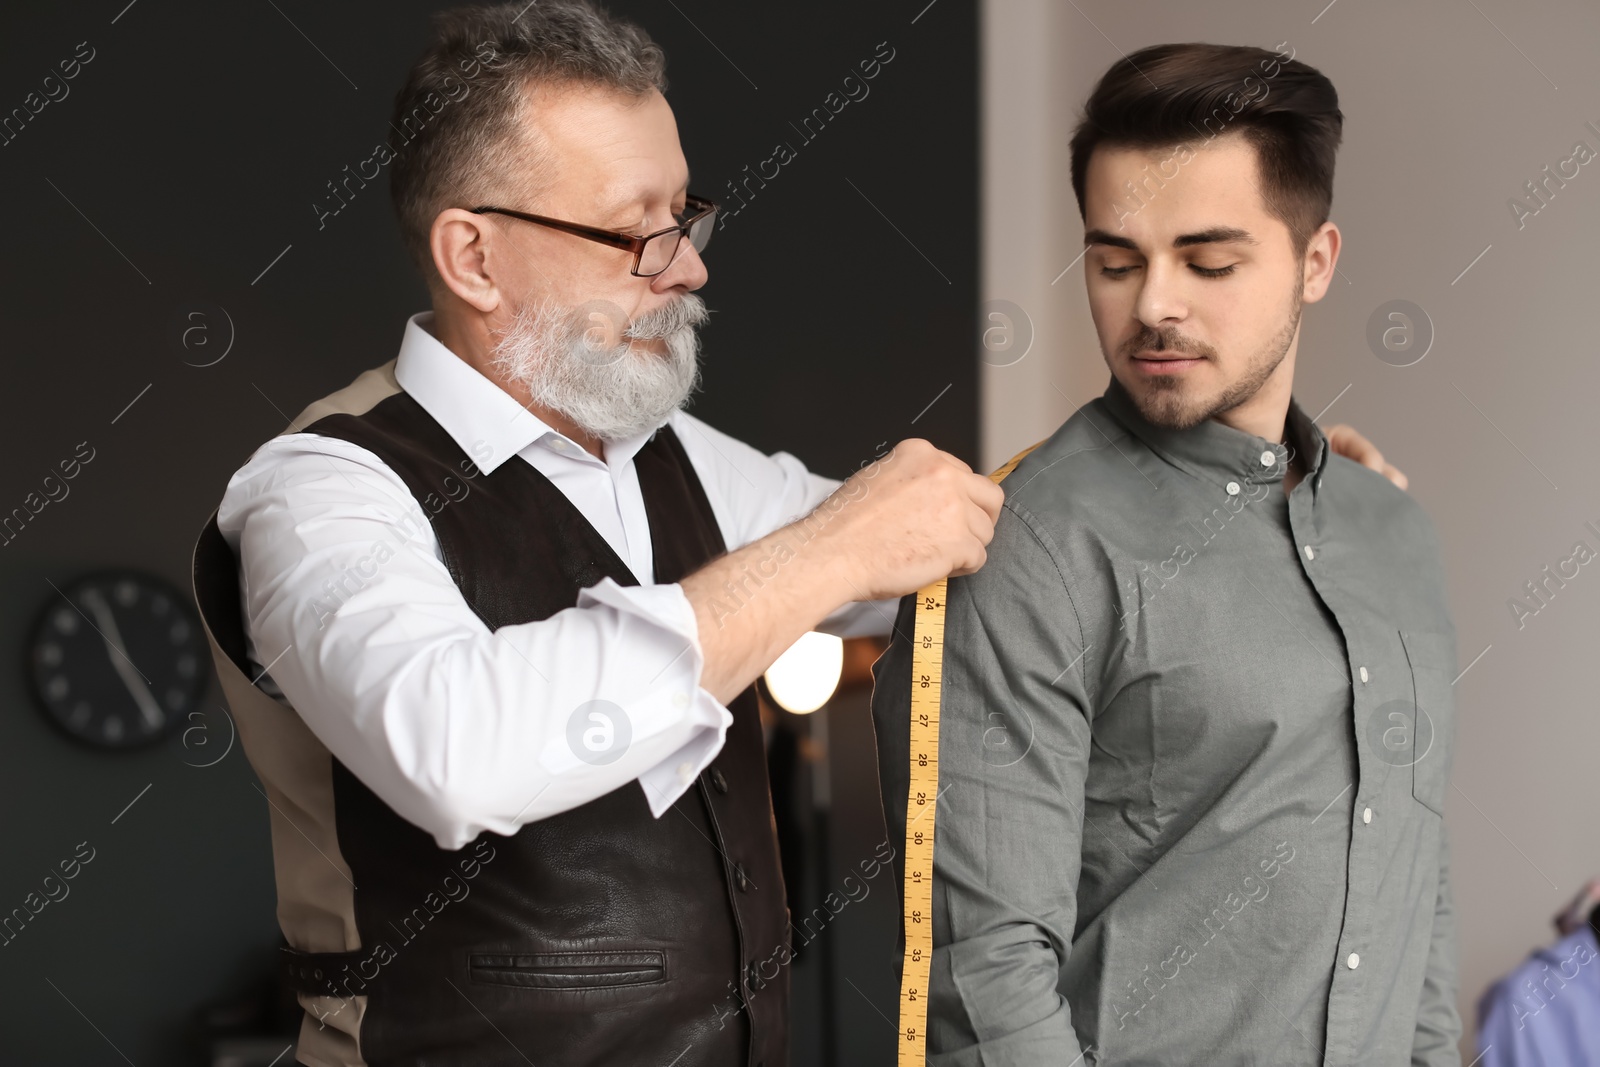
[[489, 617]]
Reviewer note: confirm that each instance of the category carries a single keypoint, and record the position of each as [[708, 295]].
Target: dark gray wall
[[182, 166]]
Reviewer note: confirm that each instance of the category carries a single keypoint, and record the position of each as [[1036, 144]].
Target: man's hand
[[1351, 445], [910, 518]]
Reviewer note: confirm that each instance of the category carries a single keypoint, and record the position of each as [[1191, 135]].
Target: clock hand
[[124, 666]]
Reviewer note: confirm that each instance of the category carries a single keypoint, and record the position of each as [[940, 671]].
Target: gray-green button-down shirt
[[1194, 744]]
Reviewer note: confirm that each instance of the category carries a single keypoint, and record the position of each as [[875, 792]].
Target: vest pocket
[[1433, 664], [569, 970]]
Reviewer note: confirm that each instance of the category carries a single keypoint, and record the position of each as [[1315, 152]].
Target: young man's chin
[[1170, 402]]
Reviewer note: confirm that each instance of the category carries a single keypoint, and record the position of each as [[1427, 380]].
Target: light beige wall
[[1027, 385], [1449, 110]]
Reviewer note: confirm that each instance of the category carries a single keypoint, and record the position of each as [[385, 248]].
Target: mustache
[[1154, 340], [686, 312]]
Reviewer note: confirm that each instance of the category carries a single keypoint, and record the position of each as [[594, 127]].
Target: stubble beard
[[1169, 401]]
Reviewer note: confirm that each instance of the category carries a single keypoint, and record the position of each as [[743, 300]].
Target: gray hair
[[459, 120]]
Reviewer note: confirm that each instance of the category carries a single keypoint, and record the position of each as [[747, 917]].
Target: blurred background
[[176, 296]]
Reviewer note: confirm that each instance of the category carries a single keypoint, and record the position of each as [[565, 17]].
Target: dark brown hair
[[457, 131], [1188, 94]]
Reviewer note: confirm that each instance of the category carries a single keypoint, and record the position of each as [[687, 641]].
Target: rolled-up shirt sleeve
[[458, 728], [755, 493]]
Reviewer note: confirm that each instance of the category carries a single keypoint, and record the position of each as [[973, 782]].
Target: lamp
[[806, 675]]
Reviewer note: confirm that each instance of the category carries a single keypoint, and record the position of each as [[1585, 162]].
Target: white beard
[[576, 361]]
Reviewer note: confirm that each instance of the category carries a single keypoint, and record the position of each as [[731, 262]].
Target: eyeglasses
[[652, 253]]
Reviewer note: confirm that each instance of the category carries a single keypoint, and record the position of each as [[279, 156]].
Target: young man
[[1196, 709]]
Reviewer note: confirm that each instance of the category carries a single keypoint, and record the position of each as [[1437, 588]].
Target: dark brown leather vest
[[597, 936]]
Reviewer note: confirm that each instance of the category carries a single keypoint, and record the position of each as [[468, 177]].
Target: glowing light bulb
[[805, 676]]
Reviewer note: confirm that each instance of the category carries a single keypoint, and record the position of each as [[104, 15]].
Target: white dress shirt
[[349, 606]]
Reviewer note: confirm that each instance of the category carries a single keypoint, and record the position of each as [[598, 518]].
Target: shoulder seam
[[1111, 442]]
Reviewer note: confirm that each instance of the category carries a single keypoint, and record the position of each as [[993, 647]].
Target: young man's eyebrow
[[1215, 235], [1101, 237]]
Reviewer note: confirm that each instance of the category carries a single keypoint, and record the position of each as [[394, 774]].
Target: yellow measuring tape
[[922, 796]]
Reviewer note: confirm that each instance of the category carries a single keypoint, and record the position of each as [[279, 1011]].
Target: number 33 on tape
[[922, 797]]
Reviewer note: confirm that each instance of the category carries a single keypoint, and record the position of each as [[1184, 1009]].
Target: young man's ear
[[1322, 255]]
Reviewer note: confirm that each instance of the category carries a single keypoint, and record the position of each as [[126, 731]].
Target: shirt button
[[1354, 961], [686, 770], [1310, 552], [1269, 458], [1366, 816], [1363, 674], [1233, 488]]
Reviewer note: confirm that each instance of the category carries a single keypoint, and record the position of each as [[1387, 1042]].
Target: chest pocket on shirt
[[1433, 670]]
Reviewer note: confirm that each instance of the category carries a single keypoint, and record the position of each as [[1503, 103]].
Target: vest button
[[719, 780], [741, 878]]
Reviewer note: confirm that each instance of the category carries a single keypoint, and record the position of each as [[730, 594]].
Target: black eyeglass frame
[[700, 210]]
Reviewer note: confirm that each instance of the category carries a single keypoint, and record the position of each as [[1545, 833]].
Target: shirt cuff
[[666, 605], [668, 780]]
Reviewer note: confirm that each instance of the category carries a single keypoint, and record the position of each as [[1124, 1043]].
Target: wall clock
[[118, 659]]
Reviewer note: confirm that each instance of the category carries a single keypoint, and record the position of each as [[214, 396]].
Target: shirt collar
[[1221, 454], [479, 416]]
